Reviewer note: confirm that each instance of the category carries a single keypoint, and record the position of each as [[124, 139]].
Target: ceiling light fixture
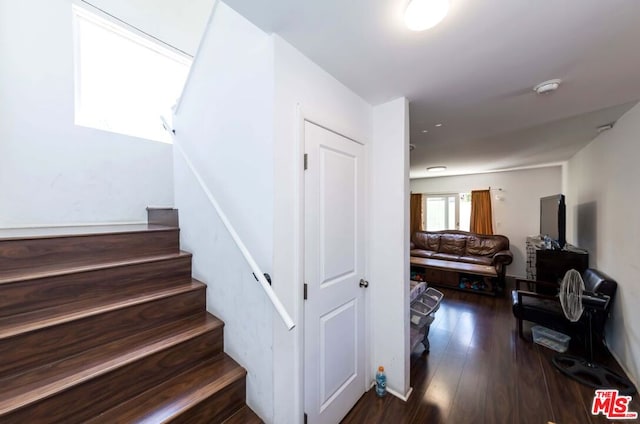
[[438, 125], [436, 168], [425, 131], [421, 15], [547, 86]]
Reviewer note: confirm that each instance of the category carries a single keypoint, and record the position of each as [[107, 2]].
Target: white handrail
[[286, 318]]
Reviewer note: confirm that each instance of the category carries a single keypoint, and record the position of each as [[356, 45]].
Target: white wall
[[388, 260], [241, 123], [52, 172], [302, 89], [517, 215], [603, 201], [178, 23], [225, 125]]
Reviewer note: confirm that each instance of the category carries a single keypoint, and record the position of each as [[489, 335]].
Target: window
[[124, 82], [447, 211]]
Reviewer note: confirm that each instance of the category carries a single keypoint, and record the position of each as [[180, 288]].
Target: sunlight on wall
[[124, 82]]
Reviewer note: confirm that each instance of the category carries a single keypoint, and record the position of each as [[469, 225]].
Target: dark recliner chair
[[543, 309]]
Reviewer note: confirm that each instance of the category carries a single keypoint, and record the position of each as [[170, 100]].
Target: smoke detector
[[547, 86], [605, 127]]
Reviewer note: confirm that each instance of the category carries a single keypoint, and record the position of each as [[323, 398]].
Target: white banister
[[286, 318]]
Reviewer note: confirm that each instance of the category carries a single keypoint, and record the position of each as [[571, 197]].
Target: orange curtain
[[416, 213], [481, 217]]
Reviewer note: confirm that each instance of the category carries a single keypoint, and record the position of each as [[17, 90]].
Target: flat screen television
[[553, 219]]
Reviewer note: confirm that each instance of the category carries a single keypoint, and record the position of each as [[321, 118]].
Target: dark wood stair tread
[[32, 321], [244, 416], [33, 385], [79, 231], [104, 324], [22, 249], [176, 395], [17, 275]]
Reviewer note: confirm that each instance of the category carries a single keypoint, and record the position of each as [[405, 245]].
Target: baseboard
[[394, 393], [399, 396], [626, 371]]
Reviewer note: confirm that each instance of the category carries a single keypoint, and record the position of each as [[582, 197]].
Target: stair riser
[[217, 408], [78, 404], [50, 344], [244, 416], [22, 254], [163, 216], [115, 283]]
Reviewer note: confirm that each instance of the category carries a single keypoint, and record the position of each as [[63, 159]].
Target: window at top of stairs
[[125, 81]]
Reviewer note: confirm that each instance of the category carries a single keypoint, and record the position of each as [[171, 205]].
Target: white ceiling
[[475, 71]]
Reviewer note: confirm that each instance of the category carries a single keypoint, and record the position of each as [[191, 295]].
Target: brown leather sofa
[[463, 247]]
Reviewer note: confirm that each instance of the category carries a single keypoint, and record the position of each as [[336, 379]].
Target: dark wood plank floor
[[480, 371]]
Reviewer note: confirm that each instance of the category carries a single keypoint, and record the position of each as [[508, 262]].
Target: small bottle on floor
[[381, 382]]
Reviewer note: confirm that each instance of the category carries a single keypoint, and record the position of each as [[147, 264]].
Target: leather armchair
[[543, 309]]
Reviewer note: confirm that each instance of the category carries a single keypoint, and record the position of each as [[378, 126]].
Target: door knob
[[364, 283]]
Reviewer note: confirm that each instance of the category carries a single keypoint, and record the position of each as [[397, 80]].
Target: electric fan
[[575, 302]]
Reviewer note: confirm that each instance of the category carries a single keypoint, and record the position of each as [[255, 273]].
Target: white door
[[334, 266]]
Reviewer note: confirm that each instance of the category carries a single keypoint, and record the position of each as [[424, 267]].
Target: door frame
[[301, 118]]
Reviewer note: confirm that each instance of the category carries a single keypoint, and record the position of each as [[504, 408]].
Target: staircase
[[106, 325]]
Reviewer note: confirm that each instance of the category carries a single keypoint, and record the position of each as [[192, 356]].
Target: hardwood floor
[[480, 371]]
